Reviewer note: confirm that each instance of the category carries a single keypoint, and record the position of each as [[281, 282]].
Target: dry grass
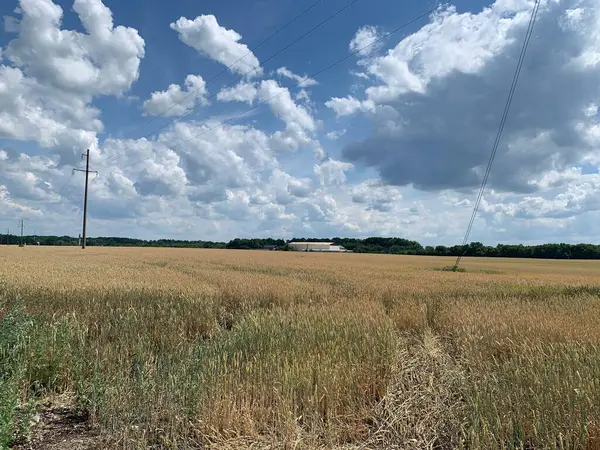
[[230, 349]]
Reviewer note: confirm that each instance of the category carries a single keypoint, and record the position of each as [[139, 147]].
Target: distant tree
[[441, 250], [392, 245]]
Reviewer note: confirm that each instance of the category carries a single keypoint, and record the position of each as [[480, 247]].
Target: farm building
[[316, 247]]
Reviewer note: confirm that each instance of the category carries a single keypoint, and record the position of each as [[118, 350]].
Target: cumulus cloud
[[287, 189], [228, 173], [303, 81], [555, 178], [175, 100], [52, 74], [364, 42], [376, 196], [284, 107], [54, 122], [241, 92], [197, 181], [300, 125], [361, 75], [335, 135], [578, 197], [319, 153], [209, 161], [29, 178], [332, 172], [442, 91], [347, 106], [297, 118], [218, 43], [103, 61], [12, 209]]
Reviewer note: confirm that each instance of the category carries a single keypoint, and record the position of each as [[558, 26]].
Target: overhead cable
[[507, 106]]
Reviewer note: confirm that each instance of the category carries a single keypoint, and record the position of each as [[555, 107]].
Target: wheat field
[[177, 348]]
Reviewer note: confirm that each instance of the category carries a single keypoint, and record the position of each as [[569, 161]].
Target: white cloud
[[347, 106], [27, 178], [218, 43], [103, 61], [303, 81], [303, 96], [335, 135], [555, 178], [241, 92], [25, 116], [229, 173], [332, 172], [11, 24], [54, 74], [175, 100], [364, 42], [288, 189], [361, 75], [452, 41], [12, 209], [579, 196], [282, 105], [299, 123], [319, 153], [376, 196]]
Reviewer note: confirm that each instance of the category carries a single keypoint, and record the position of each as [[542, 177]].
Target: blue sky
[[392, 141]]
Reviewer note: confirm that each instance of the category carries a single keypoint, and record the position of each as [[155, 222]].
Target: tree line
[[108, 242], [387, 245]]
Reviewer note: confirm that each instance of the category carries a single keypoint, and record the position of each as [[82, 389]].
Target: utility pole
[[22, 226], [7, 236], [87, 171]]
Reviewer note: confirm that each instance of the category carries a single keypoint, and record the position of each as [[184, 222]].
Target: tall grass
[[180, 349], [15, 330]]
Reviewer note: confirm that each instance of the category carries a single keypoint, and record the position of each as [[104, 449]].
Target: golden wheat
[[230, 349]]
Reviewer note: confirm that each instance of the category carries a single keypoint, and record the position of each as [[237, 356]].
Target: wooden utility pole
[[87, 171], [22, 226]]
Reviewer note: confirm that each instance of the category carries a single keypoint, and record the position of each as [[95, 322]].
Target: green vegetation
[[452, 269], [15, 329], [382, 245], [108, 242]]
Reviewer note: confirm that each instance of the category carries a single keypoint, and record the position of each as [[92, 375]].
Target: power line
[[314, 75], [281, 50], [64, 185], [509, 100]]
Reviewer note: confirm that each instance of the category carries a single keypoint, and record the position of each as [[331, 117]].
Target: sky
[[212, 119]]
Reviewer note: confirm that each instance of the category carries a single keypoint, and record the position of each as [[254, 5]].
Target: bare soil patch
[[58, 424]]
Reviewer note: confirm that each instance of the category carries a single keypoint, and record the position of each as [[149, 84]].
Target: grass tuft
[[451, 269]]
